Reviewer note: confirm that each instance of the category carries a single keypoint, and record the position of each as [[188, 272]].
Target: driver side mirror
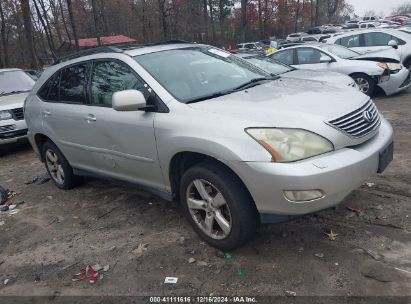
[[129, 100], [393, 43], [325, 59]]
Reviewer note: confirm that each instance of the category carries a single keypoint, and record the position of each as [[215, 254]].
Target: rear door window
[[73, 82], [308, 56], [286, 56], [350, 41]]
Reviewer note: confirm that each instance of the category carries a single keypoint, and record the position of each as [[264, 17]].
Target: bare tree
[[3, 35], [243, 29], [73, 23], [25, 6]]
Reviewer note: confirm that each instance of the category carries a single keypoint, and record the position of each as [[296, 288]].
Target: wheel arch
[[40, 139], [184, 160]]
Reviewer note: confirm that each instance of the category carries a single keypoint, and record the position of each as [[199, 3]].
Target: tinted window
[[284, 56], [376, 39], [73, 83], [50, 90], [308, 56], [109, 77], [350, 41]]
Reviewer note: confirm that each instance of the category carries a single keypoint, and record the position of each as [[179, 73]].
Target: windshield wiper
[[244, 86], [12, 92], [253, 83]]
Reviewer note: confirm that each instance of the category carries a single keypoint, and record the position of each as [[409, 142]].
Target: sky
[[379, 6]]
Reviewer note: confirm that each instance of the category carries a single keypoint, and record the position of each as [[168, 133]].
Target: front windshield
[[195, 72], [15, 82], [339, 51], [270, 65]]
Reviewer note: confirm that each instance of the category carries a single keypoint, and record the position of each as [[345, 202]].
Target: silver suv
[[233, 144]]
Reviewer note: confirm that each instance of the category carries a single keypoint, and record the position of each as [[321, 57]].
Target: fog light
[[303, 195]]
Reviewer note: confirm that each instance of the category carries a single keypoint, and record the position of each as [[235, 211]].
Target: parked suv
[[231, 142], [14, 87]]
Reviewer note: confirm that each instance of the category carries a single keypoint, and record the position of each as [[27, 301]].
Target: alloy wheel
[[54, 166], [209, 209], [363, 84]]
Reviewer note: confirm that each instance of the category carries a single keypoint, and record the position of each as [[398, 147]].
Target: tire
[[366, 83], [58, 168], [231, 200]]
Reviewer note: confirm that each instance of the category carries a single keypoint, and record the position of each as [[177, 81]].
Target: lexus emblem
[[368, 116]]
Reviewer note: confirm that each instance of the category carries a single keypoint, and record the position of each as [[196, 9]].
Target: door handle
[[46, 113], [90, 118]]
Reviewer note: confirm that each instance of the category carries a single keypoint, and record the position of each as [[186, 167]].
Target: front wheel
[[365, 83], [218, 206]]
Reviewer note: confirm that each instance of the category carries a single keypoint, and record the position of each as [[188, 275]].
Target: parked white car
[[377, 39], [295, 37], [370, 70], [15, 85], [275, 67]]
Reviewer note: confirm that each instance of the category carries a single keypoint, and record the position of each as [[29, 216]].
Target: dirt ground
[[57, 233]]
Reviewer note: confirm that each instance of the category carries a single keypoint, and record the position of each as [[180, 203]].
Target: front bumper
[[397, 82], [337, 174], [12, 131]]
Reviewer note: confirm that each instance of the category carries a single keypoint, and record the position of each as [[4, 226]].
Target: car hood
[[289, 103], [12, 101], [324, 76], [383, 55]]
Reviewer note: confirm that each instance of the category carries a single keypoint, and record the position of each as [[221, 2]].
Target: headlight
[[4, 115], [288, 145], [394, 67]]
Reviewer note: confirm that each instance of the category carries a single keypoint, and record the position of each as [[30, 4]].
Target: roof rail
[[129, 46], [91, 51]]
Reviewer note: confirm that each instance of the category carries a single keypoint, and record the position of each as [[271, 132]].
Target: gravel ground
[[57, 233]]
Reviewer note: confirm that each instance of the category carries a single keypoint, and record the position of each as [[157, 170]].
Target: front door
[[125, 145]]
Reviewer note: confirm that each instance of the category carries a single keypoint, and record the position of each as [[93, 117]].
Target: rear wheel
[[218, 207], [58, 167], [365, 83]]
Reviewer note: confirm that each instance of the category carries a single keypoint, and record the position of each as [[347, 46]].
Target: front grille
[[18, 114], [13, 134], [6, 128], [355, 123]]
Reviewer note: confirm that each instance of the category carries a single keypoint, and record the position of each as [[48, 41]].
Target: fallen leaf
[[139, 249], [331, 236]]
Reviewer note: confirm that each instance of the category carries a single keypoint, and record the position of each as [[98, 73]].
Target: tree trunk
[[49, 39], [96, 21], [25, 6], [260, 19], [48, 28], [317, 7], [210, 4], [3, 36], [73, 23], [64, 21], [297, 15], [205, 17], [243, 20], [163, 15]]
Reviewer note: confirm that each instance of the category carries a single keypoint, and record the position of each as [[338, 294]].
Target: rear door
[[375, 41], [352, 42], [63, 107], [284, 56], [125, 145]]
